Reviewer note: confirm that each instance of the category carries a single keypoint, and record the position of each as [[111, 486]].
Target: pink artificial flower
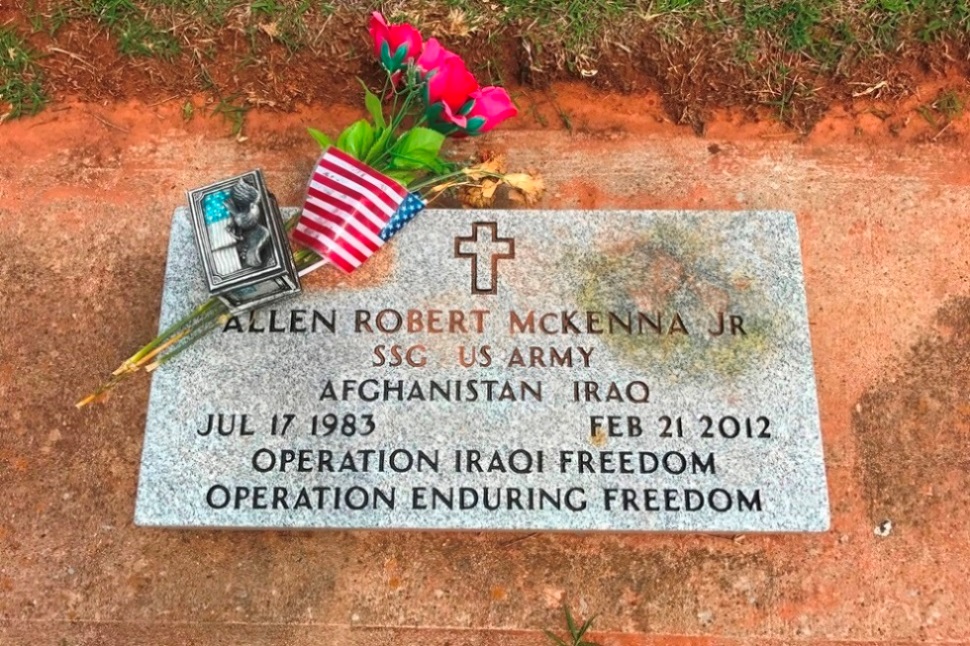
[[451, 83], [394, 45], [433, 56], [492, 106]]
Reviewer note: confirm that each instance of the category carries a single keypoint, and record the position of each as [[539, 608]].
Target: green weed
[[576, 633], [928, 115], [209, 12], [681, 6], [21, 81], [949, 104], [234, 113]]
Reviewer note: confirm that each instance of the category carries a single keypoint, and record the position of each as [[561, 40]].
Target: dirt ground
[[883, 207]]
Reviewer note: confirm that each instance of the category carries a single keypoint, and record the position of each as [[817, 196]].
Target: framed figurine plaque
[[239, 231]]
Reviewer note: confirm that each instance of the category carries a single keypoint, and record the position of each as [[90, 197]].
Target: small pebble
[[884, 529]]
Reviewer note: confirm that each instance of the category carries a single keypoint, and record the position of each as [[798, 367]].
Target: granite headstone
[[509, 370]]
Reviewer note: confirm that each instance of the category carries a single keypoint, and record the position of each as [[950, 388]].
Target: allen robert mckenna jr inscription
[[507, 370]]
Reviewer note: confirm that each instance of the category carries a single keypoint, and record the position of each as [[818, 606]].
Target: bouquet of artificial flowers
[[428, 96]]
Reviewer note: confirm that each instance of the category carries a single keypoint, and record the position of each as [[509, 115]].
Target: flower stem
[[131, 364], [438, 179], [190, 338]]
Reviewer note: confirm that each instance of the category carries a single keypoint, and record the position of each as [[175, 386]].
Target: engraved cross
[[484, 248]]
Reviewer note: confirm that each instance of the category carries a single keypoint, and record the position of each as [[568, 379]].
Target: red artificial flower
[[395, 45], [492, 106]]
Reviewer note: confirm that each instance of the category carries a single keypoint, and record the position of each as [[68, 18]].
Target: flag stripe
[[348, 193], [391, 188], [329, 220], [348, 178], [369, 240], [339, 210], [339, 188], [351, 250], [349, 241], [219, 235], [326, 248], [371, 189]]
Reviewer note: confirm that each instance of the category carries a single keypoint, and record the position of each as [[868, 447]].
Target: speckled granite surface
[[679, 429]]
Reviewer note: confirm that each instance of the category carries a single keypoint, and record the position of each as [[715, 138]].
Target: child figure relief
[[251, 236]]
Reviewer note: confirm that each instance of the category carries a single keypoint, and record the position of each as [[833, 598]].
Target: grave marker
[[514, 370]]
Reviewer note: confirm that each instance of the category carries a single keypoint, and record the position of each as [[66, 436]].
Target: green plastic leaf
[[373, 104], [385, 139], [321, 138], [417, 149], [441, 167], [405, 177], [386, 56], [356, 140], [400, 55], [433, 112], [474, 125]]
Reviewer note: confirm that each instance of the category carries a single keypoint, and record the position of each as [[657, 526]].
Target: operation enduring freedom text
[[570, 499]]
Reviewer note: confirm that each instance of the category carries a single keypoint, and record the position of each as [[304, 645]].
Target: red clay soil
[[883, 207]]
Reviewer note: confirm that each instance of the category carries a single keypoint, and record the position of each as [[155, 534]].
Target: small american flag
[[347, 209], [225, 258]]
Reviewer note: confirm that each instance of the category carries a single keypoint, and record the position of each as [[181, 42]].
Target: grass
[[820, 29], [771, 49], [137, 35], [781, 54], [21, 81], [47, 21]]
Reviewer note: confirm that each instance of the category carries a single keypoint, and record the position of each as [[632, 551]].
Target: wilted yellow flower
[[529, 187]]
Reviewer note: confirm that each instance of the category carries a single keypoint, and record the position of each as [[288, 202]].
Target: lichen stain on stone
[[669, 269], [598, 438], [913, 429]]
